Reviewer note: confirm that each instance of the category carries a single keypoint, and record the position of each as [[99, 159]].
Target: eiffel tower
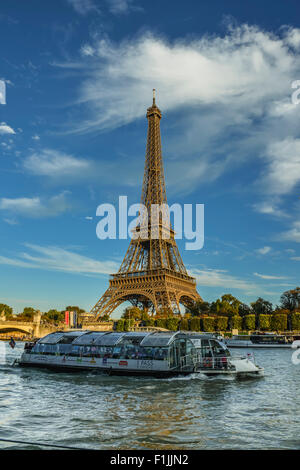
[[152, 274]]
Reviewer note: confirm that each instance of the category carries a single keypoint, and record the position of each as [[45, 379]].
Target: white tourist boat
[[266, 340], [159, 354]]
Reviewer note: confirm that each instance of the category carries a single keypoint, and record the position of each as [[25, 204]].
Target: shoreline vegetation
[[225, 314]]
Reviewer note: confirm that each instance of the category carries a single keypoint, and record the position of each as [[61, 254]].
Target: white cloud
[[35, 206], [54, 163], [59, 259], [84, 7], [229, 97], [240, 75], [220, 278], [6, 129], [267, 276], [270, 207], [35, 137], [264, 250], [293, 234], [87, 50], [283, 172], [122, 6]]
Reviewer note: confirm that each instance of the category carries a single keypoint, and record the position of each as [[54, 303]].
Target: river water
[[101, 412]]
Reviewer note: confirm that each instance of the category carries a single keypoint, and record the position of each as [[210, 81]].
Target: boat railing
[[217, 362], [196, 362]]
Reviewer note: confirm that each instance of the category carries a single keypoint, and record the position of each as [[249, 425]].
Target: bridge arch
[[11, 329]]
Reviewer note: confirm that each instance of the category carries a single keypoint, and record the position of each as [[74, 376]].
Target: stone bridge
[[37, 329], [33, 328]]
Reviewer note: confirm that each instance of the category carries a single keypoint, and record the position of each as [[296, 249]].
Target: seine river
[[101, 412]]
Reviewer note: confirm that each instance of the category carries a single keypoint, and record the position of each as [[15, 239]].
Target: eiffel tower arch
[[152, 273]]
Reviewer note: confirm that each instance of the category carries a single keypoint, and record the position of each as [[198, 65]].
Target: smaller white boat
[[265, 340]]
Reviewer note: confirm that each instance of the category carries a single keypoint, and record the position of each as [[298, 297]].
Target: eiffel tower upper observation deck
[[152, 273]]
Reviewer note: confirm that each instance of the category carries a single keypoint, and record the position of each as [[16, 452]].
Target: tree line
[[53, 316], [223, 314]]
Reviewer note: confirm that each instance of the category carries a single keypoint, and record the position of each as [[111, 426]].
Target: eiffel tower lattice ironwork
[[152, 273]]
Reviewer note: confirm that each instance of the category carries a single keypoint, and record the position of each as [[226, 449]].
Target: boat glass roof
[[89, 337], [52, 338], [158, 339]]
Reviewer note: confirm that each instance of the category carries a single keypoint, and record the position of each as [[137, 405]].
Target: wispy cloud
[[270, 207], [267, 276], [264, 250], [36, 207], [54, 163], [221, 278], [236, 89], [283, 171], [122, 6], [83, 7], [6, 129], [54, 258], [293, 234]]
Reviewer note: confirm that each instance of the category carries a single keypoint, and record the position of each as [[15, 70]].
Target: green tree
[[265, 322], [161, 323], [8, 311], [172, 323], [290, 299], [145, 316], [195, 324], [128, 324], [198, 308], [74, 308], [279, 322], [208, 323], [227, 306], [120, 324], [150, 322], [184, 324], [244, 309], [28, 313], [221, 323], [105, 317], [295, 318], [249, 322], [53, 316], [164, 313], [237, 322], [261, 307], [132, 313]]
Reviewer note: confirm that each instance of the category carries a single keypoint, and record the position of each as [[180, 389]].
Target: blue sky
[[79, 76]]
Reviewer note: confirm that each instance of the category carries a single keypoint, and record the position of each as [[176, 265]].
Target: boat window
[[205, 348], [158, 339], [52, 338], [64, 348], [218, 349], [66, 339], [190, 347]]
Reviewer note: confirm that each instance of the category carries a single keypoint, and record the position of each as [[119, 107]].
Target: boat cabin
[[129, 352]]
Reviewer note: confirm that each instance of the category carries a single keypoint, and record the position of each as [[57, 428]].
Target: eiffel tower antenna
[[152, 273]]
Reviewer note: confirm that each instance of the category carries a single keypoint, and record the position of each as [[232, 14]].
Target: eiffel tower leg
[[107, 304]]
